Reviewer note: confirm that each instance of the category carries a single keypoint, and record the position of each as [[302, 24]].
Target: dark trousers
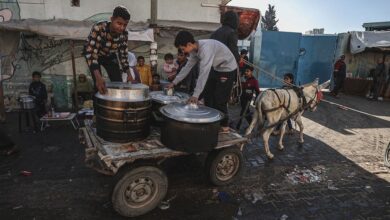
[[110, 63], [245, 111], [217, 92], [338, 84], [41, 109], [377, 87], [5, 141]]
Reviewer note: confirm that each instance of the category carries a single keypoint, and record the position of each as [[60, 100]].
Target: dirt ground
[[342, 158]]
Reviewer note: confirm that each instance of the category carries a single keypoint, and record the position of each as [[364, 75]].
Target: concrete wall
[[183, 10], [188, 10]]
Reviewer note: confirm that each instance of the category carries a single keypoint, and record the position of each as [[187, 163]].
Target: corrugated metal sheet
[[306, 57]]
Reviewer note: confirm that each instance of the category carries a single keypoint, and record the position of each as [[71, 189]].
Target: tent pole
[[2, 107], [75, 93]]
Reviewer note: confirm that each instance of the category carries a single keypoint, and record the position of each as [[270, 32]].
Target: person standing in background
[[379, 79], [38, 90], [227, 33], [133, 70], [187, 85], [241, 64], [170, 67], [156, 85], [250, 89], [144, 71], [339, 74]]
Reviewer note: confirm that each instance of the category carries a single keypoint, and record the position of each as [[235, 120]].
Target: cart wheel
[[224, 166], [387, 156], [139, 191]]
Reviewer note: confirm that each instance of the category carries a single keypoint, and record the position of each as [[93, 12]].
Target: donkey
[[275, 106]]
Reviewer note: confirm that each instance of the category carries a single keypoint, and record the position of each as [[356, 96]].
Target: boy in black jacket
[[38, 90], [227, 33]]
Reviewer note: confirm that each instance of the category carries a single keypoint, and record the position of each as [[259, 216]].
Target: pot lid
[[160, 97], [26, 98], [191, 113], [122, 85], [125, 92]]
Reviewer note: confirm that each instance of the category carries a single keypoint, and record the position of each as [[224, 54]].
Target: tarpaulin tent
[[61, 29], [58, 29], [360, 40]]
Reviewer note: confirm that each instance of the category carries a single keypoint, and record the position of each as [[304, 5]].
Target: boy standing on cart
[[106, 44], [217, 68]]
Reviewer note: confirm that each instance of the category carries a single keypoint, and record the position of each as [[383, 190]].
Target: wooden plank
[[94, 139], [157, 153], [87, 138], [150, 148], [230, 139]]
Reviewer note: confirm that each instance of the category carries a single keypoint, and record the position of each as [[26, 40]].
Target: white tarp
[[360, 40], [60, 29], [145, 35]]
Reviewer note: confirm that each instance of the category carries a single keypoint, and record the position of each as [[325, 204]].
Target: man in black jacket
[[227, 33], [379, 78]]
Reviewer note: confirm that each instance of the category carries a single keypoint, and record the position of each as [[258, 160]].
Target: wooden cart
[[143, 186]]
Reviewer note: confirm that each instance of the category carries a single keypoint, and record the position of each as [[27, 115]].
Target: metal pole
[[153, 13], [2, 107], [76, 99]]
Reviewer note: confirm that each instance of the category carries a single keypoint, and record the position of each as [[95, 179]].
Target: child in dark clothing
[[288, 80], [242, 65], [156, 86], [249, 88], [38, 90]]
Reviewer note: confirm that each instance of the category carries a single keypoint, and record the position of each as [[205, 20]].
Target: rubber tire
[[159, 179], [387, 156], [214, 157]]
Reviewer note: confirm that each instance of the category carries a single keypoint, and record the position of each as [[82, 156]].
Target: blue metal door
[[316, 58], [279, 55]]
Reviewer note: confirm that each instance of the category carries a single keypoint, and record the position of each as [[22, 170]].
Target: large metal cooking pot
[[27, 102], [164, 99], [160, 98], [190, 128], [123, 113], [118, 91]]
